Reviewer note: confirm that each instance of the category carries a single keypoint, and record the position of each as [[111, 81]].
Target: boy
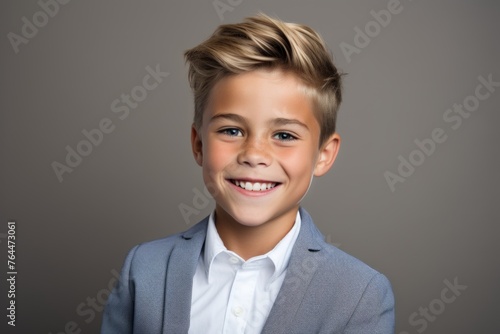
[[266, 96]]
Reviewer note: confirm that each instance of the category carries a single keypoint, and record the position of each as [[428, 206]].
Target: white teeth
[[257, 186]]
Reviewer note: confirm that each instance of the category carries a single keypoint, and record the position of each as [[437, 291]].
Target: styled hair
[[265, 42]]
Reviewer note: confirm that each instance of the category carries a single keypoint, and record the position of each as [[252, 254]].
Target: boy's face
[[259, 147]]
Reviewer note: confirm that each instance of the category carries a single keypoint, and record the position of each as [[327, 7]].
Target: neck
[[250, 241]]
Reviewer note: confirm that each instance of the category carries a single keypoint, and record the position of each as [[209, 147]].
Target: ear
[[197, 145], [327, 154]]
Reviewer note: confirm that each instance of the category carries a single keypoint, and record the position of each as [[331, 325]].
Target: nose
[[255, 152]]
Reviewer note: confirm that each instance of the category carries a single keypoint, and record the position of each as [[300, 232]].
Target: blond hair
[[264, 42]]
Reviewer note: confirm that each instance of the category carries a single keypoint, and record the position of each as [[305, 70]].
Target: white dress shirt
[[231, 295]]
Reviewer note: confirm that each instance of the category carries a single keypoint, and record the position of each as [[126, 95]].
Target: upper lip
[[252, 180]]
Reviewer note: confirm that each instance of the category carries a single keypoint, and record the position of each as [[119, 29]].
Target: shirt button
[[238, 311], [234, 260]]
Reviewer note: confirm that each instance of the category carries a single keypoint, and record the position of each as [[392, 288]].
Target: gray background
[[440, 224]]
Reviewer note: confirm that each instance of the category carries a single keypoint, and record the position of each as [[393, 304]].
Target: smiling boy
[[266, 98]]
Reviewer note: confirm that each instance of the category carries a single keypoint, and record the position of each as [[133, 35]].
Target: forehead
[[260, 93]]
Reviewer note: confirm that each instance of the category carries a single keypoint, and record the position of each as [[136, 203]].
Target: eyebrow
[[287, 121], [280, 121], [230, 117]]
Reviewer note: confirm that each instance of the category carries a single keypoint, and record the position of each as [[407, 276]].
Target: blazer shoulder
[[335, 262], [337, 259], [152, 251], [367, 296]]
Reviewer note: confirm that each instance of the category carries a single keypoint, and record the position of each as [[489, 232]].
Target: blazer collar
[[305, 259], [179, 280]]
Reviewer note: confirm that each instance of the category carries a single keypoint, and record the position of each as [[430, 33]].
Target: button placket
[[242, 291]]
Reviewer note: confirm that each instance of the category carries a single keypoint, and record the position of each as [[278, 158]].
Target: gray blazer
[[325, 290]]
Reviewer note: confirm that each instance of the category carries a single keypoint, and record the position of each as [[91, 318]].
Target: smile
[[254, 186]]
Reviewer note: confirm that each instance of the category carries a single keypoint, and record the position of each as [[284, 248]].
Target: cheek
[[298, 162], [298, 166], [217, 156]]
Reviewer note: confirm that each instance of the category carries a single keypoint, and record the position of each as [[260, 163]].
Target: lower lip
[[253, 193]]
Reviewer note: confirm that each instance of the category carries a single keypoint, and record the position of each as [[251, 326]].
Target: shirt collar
[[213, 245], [279, 255]]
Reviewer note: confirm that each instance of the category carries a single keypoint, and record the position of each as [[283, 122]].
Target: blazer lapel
[[179, 279], [304, 261]]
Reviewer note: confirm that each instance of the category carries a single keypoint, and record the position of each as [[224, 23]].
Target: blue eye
[[284, 136], [232, 132]]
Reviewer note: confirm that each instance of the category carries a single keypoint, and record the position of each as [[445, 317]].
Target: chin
[[253, 217], [250, 219]]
